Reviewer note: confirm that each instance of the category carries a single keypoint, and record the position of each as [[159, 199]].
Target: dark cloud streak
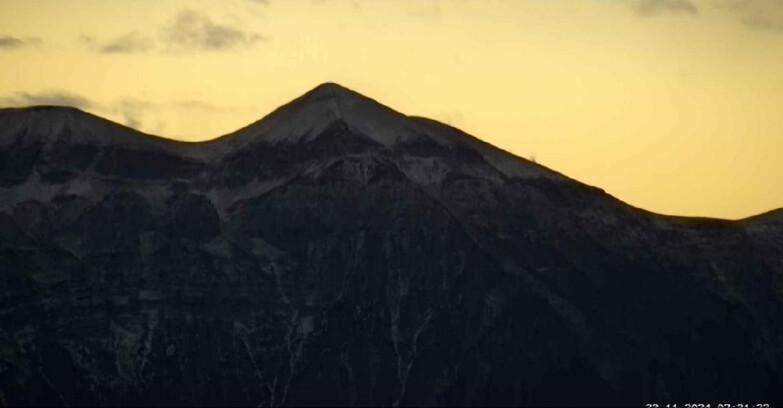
[[194, 31], [134, 113], [9, 42], [764, 24], [128, 43], [189, 31], [652, 8], [763, 16], [55, 98]]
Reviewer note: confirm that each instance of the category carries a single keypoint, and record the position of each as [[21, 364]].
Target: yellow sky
[[674, 106]]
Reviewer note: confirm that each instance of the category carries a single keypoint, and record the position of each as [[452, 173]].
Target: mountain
[[339, 252]]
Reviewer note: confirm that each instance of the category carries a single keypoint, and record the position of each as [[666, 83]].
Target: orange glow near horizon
[[673, 106]]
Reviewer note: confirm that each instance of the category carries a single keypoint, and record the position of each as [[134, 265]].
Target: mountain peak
[[343, 101], [331, 89], [309, 116], [52, 124], [304, 118]]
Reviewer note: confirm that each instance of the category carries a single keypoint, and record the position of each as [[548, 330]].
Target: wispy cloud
[[766, 16], [9, 42], [131, 111], [133, 42], [194, 104], [652, 8], [194, 31], [764, 24], [56, 97], [138, 113], [127, 43]]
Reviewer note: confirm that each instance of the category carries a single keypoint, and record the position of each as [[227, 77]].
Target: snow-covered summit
[[62, 125], [332, 90], [305, 118], [302, 120]]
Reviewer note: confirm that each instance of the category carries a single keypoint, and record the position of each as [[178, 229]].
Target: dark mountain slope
[[338, 252]]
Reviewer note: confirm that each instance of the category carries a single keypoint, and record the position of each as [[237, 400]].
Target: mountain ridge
[[340, 253], [334, 96]]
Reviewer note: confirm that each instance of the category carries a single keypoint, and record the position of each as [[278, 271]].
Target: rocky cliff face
[[338, 252]]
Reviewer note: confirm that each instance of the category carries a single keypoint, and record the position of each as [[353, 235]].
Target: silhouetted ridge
[[775, 215], [49, 124], [331, 90], [313, 115], [338, 252]]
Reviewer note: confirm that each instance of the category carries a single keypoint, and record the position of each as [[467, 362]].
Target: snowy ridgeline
[[301, 121]]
